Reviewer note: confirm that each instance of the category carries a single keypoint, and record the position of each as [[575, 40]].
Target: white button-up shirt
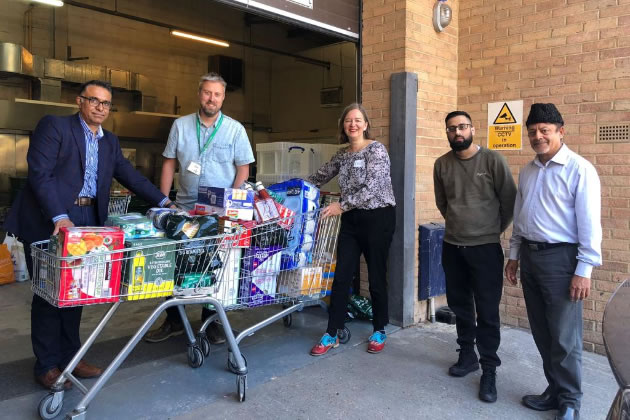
[[560, 201]]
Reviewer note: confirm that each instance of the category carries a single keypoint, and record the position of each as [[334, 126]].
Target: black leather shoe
[[566, 412], [215, 333], [487, 386], [542, 402], [467, 362]]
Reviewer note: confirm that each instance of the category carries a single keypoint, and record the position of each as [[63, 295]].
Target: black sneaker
[[466, 363], [215, 333], [488, 387], [167, 330]]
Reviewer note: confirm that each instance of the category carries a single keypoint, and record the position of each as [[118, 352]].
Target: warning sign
[[505, 122], [505, 116]]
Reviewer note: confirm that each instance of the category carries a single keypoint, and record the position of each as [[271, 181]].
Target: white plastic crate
[[294, 159]]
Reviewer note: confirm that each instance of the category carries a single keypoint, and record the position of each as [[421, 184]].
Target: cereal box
[[150, 272], [242, 230], [90, 271]]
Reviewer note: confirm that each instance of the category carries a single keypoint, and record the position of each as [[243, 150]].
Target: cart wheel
[[232, 367], [195, 356], [287, 320], [241, 384], [204, 343], [344, 335], [49, 408]]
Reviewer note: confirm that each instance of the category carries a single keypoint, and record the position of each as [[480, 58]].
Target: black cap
[[544, 113]]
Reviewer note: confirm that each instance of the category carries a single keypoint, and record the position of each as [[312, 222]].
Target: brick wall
[[576, 54], [399, 36]]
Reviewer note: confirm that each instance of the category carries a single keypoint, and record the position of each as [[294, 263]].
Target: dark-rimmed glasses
[[95, 102], [460, 127]]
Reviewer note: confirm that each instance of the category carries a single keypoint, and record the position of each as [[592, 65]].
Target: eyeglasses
[[95, 102], [460, 127]]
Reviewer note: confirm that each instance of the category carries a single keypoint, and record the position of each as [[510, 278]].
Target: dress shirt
[[560, 201]]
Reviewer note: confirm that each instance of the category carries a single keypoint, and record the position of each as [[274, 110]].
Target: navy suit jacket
[[56, 167]]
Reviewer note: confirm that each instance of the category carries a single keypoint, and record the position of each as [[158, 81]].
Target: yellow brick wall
[[575, 54]]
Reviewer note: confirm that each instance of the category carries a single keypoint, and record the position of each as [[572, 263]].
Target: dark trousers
[[474, 284], [367, 232], [555, 321], [172, 314], [55, 331]]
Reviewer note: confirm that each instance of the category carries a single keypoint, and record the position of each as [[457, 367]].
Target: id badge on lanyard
[[194, 166]]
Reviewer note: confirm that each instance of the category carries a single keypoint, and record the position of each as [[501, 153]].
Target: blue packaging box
[[228, 198]]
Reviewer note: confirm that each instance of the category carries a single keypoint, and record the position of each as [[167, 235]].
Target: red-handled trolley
[[287, 262]]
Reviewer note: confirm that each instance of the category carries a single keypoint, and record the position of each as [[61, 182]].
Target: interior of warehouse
[[287, 81]]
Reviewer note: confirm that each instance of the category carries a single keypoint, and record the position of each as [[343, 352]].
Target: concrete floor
[[407, 381]]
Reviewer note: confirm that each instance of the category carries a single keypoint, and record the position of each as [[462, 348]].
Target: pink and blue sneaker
[[326, 343], [377, 342]]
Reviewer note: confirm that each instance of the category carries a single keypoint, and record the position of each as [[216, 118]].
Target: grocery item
[[231, 202], [304, 281], [259, 273], [264, 205], [150, 272], [94, 275], [134, 226], [195, 257], [236, 214], [242, 229], [182, 226], [159, 216], [227, 287]]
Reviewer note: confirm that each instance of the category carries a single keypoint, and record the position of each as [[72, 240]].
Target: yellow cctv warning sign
[[505, 116], [505, 125]]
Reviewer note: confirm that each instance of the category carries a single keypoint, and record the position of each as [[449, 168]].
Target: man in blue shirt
[[557, 235], [211, 149], [71, 163]]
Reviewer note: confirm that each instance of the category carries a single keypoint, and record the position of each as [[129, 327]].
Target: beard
[[458, 146], [209, 112]]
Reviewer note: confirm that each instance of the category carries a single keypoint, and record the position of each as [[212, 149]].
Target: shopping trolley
[[118, 203], [281, 262]]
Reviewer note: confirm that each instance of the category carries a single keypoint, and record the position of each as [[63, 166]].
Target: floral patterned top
[[364, 177]]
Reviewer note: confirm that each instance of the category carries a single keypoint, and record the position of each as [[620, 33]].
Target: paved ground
[[407, 381]]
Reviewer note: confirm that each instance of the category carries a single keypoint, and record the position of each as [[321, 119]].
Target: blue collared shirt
[[560, 201], [229, 148]]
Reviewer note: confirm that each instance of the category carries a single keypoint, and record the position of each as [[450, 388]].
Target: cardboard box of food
[[91, 272], [150, 272], [229, 202], [233, 213], [302, 281]]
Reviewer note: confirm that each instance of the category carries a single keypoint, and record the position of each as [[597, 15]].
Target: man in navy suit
[[71, 162]]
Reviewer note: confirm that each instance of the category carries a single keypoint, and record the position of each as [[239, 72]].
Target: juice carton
[[91, 274]]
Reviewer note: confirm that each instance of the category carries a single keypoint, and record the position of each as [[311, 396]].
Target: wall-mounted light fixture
[[200, 38], [57, 3], [442, 15]]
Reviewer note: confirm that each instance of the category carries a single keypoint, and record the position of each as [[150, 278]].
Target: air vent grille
[[613, 133]]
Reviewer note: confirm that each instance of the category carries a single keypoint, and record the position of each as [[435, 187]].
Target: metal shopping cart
[[282, 262], [118, 203]]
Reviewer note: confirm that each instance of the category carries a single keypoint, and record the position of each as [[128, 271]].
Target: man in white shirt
[[557, 253]]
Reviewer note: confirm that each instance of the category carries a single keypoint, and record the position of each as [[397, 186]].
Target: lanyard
[[210, 138]]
